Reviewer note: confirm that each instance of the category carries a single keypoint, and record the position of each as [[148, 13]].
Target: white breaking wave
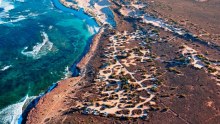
[[20, 0], [20, 18], [40, 49], [11, 114], [6, 67], [93, 29], [67, 72], [6, 5], [50, 27], [17, 18], [5, 16]]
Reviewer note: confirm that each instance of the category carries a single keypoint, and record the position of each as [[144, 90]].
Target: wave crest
[[93, 29], [11, 114], [6, 67], [40, 49]]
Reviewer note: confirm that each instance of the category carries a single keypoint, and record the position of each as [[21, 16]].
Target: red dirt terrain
[[201, 17], [140, 73]]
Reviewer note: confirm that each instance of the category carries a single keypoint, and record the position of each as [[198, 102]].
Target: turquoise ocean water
[[38, 46]]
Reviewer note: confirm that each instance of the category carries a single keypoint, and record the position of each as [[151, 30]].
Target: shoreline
[[86, 11], [72, 82], [148, 80], [96, 13], [87, 57], [78, 67]]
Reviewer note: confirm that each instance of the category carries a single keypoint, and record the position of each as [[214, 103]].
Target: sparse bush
[[211, 70], [171, 69]]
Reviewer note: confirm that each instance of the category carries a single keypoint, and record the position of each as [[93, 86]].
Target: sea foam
[[6, 17], [6, 67], [14, 19], [93, 29], [10, 114], [40, 49], [67, 72], [5, 8], [6, 5]]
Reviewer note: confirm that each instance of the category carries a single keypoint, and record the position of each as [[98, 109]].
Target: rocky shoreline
[[64, 86], [137, 72], [92, 11]]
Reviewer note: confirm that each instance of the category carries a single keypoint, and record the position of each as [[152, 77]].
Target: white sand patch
[[120, 99], [83, 3], [125, 11], [138, 6], [160, 23], [100, 9], [201, 0], [134, 10], [196, 62], [211, 68]]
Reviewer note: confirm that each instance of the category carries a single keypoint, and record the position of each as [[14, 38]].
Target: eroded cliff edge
[[145, 70]]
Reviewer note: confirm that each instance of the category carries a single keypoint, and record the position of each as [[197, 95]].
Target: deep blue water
[[37, 42]]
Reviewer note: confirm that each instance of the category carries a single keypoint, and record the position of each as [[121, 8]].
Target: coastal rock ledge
[[160, 63]]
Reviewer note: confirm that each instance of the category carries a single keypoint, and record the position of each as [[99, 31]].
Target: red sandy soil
[[191, 97], [197, 17], [49, 107]]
